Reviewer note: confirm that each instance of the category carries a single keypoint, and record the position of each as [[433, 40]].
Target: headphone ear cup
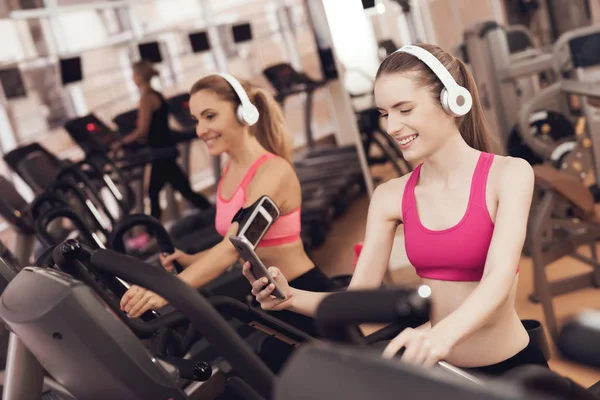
[[444, 101], [239, 113]]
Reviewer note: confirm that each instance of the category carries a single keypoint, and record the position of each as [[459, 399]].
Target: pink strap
[[480, 179], [253, 168], [408, 197]]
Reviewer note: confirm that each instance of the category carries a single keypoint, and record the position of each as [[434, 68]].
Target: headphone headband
[[247, 112], [452, 91], [432, 62]]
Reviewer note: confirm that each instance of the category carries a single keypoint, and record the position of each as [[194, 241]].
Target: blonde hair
[[145, 69], [270, 130]]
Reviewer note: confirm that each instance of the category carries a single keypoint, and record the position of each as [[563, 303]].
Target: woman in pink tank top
[[259, 163], [464, 213]]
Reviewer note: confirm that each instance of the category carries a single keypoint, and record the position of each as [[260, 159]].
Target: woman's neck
[[145, 88], [449, 164], [246, 152]]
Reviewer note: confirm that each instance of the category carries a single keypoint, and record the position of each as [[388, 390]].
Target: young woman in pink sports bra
[[464, 213], [259, 163]]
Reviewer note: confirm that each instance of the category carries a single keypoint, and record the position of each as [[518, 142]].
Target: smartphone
[[246, 252], [264, 213]]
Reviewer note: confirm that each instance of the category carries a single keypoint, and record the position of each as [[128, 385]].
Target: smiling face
[[413, 116], [217, 124]]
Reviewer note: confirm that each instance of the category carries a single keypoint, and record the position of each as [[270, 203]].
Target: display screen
[[368, 4], [12, 83], [270, 208], [199, 42], [256, 229], [70, 70], [150, 51], [241, 33], [585, 51]]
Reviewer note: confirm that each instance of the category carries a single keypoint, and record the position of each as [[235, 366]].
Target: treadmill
[[95, 137]]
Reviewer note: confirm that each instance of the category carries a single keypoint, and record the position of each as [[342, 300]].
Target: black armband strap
[[241, 215]]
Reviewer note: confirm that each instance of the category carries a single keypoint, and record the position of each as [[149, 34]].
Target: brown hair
[[270, 130], [472, 126], [145, 69]]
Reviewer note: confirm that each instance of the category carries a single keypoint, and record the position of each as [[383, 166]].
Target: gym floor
[[336, 256]]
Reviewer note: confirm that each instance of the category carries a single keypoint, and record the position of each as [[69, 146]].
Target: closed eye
[[405, 112]]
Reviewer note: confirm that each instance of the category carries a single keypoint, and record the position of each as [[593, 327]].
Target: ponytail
[[270, 130], [473, 126], [145, 69]]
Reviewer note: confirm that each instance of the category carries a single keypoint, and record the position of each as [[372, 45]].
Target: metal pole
[[343, 113], [24, 377], [220, 61], [289, 40]]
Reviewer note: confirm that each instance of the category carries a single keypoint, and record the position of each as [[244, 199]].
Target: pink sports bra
[[458, 253], [285, 230]]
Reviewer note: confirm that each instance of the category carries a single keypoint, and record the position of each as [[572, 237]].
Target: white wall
[[11, 49], [88, 21]]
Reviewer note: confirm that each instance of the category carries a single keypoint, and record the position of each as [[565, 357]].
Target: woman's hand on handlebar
[[167, 260], [423, 347], [136, 301], [263, 293]]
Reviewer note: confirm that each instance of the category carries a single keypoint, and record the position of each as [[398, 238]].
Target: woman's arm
[[382, 219], [515, 192], [270, 180]]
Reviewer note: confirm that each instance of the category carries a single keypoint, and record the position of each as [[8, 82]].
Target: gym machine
[[95, 137], [106, 351], [328, 370], [126, 123], [13, 209], [23, 377], [507, 66], [563, 219], [323, 371]]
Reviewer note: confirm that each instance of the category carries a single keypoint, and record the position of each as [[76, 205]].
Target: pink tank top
[[458, 253], [285, 230]]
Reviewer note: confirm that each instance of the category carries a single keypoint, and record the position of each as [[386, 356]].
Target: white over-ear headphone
[[456, 100], [246, 112]]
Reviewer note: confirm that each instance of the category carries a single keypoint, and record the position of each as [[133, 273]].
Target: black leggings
[[275, 352], [168, 171], [313, 280], [529, 355]]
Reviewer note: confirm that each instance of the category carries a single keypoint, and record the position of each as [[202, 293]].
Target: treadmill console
[[90, 133]]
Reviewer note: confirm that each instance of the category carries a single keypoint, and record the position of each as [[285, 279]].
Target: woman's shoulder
[[275, 166], [150, 98], [389, 195], [507, 171]]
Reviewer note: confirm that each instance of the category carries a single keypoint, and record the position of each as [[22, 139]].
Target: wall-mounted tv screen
[[70, 70], [199, 41], [241, 32], [150, 51], [368, 4], [12, 83]]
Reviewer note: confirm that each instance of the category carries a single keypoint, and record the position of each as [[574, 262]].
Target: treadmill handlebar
[[116, 240], [43, 222], [202, 315], [72, 257]]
